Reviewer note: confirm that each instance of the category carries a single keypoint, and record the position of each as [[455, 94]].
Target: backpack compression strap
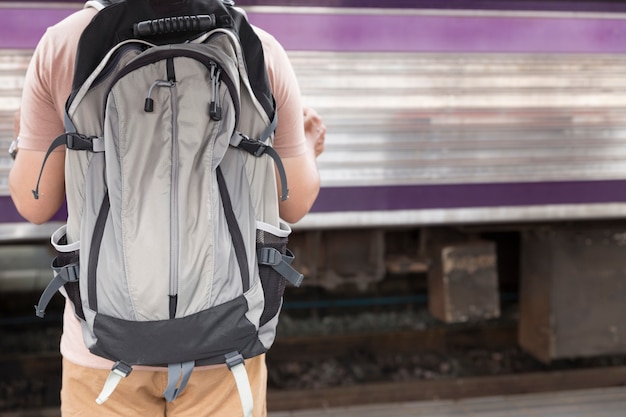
[[258, 147], [177, 372], [237, 366], [178, 376], [119, 371], [74, 141], [65, 266]]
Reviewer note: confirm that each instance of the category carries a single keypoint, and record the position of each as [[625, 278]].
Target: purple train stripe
[[23, 27], [448, 196], [390, 32], [521, 5], [545, 5], [9, 214], [444, 34]]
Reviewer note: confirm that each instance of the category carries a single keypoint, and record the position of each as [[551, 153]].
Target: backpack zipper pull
[[215, 111], [148, 106]]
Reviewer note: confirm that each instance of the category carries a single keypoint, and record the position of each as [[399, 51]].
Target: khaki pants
[[210, 393]]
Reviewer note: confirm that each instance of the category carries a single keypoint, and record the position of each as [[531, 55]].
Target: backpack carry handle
[[198, 23]]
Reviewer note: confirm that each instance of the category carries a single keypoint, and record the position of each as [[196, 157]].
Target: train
[[467, 140]]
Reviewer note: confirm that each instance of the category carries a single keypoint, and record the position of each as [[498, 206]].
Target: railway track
[[450, 388], [321, 371], [421, 391]]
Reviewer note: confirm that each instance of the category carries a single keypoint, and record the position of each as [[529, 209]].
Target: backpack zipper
[[176, 53], [112, 63], [174, 223], [138, 46], [215, 110], [174, 209]]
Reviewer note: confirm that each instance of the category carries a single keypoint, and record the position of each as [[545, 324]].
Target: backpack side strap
[[63, 275], [258, 148], [177, 372], [66, 270], [119, 371], [74, 141], [237, 366], [281, 264]]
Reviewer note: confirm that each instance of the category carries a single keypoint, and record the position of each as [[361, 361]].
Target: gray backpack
[[173, 253]]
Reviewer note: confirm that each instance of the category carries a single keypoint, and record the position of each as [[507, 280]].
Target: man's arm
[[304, 183], [302, 174], [39, 120], [23, 179]]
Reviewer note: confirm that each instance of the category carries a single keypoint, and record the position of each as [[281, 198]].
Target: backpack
[[173, 253]]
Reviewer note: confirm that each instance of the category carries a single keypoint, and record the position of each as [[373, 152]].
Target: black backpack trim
[[115, 24]]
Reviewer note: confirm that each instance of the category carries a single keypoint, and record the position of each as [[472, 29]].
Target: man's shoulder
[[73, 24], [267, 39]]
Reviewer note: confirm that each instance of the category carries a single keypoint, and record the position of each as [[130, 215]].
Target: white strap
[[119, 371], [95, 4], [243, 386], [59, 234]]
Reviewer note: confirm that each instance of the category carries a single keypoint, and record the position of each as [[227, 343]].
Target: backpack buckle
[[78, 142], [270, 256], [233, 359]]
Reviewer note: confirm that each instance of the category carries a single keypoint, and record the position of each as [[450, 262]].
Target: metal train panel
[[434, 116], [440, 117]]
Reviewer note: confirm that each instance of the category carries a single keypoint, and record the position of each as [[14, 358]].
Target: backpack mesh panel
[[272, 282]]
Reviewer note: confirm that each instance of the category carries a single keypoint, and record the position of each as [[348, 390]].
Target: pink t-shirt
[[48, 84], [49, 80]]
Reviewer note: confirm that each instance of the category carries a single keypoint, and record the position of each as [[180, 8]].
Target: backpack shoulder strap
[[100, 4]]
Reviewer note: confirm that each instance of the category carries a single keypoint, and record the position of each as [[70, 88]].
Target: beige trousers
[[209, 393]]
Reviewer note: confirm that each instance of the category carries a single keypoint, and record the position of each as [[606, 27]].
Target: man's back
[[44, 94]]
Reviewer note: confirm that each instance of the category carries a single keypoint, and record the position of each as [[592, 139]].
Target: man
[[211, 390]]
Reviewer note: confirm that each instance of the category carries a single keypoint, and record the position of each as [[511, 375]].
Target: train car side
[[439, 117], [447, 125], [475, 146]]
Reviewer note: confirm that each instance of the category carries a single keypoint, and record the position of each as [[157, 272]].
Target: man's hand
[[314, 130], [16, 124]]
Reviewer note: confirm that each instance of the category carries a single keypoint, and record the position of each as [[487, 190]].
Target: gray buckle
[[69, 272], [270, 256], [233, 359]]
